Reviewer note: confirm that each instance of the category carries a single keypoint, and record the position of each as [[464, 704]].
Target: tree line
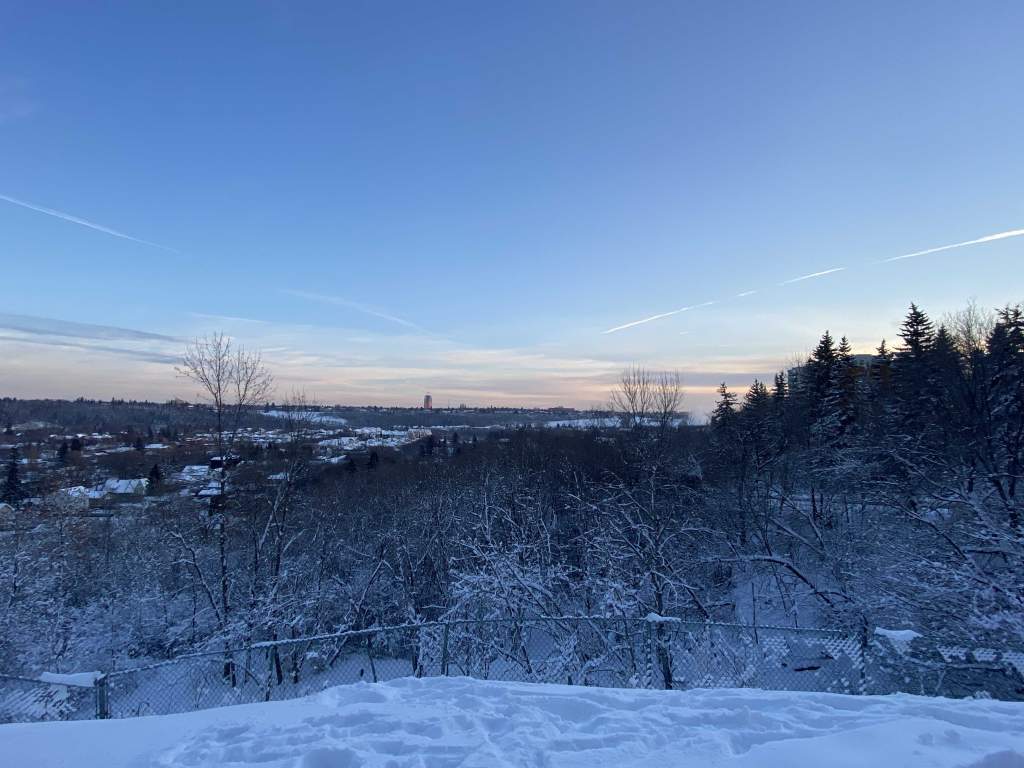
[[852, 492]]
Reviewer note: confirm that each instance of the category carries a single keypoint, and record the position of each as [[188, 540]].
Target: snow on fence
[[654, 652], [25, 699]]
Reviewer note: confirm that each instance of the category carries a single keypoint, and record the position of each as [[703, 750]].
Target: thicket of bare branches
[[879, 495]]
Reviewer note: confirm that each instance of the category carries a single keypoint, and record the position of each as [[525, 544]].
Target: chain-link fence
[[24, 699], [628, 653]]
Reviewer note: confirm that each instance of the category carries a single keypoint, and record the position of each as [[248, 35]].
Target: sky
[[480, 200]]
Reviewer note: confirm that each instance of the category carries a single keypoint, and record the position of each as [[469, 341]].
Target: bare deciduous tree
[[970, 327], [233, 380], [647, 398]]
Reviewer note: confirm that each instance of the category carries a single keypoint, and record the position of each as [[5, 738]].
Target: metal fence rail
[[654, 653]]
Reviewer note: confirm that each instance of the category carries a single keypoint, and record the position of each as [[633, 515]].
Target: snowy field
[[476, 724]]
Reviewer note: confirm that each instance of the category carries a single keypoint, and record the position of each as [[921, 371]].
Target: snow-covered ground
[[477, 724]]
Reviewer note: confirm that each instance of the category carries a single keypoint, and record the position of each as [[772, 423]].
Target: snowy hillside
[[469, 723]]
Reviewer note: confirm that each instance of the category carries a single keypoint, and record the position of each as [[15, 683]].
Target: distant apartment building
[[428, 402]]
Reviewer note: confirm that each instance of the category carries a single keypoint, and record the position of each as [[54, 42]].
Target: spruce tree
[[726, 444], [946, 374], [912, 373], [1005, 403], [817, 377], [755, 420], [840, 402], [917, 333], [724, 415], [877, 389], [13, 491], [780, 412]]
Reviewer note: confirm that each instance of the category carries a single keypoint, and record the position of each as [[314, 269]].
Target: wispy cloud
[[812, 275], [48, 326], [225, 318], [358, 307], [84, 223], [145, 355], [745, 293], [977, 241], [67, 334]]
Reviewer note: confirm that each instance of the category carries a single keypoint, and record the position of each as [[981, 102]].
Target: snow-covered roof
[[135, 485], [339, 442], [194, 472]]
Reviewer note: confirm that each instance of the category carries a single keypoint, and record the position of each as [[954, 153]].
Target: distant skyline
[[496, 204]]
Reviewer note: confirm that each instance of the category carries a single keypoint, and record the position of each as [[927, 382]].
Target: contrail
[[84, 223], [985, 239], [366, 310], [812, 275], [657, 317]]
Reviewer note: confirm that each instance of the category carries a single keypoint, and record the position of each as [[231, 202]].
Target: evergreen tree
[[946, 375], [917, 334], [727, 449], [818, 375], [1005, 400], [155, 476], [839, 408], [756, 420], [724, 415], [13, 491], [877, 389], [912, 372], [881, 368], [62, 452], [780, 411]]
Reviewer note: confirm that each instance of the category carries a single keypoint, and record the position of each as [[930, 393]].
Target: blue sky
[[391, 198]]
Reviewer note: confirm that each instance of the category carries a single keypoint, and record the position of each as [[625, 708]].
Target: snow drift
[[472, 723]]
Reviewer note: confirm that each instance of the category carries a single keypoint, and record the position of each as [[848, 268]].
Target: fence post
[[444, 650], [864, 641], [102, 698], [652, 649]]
